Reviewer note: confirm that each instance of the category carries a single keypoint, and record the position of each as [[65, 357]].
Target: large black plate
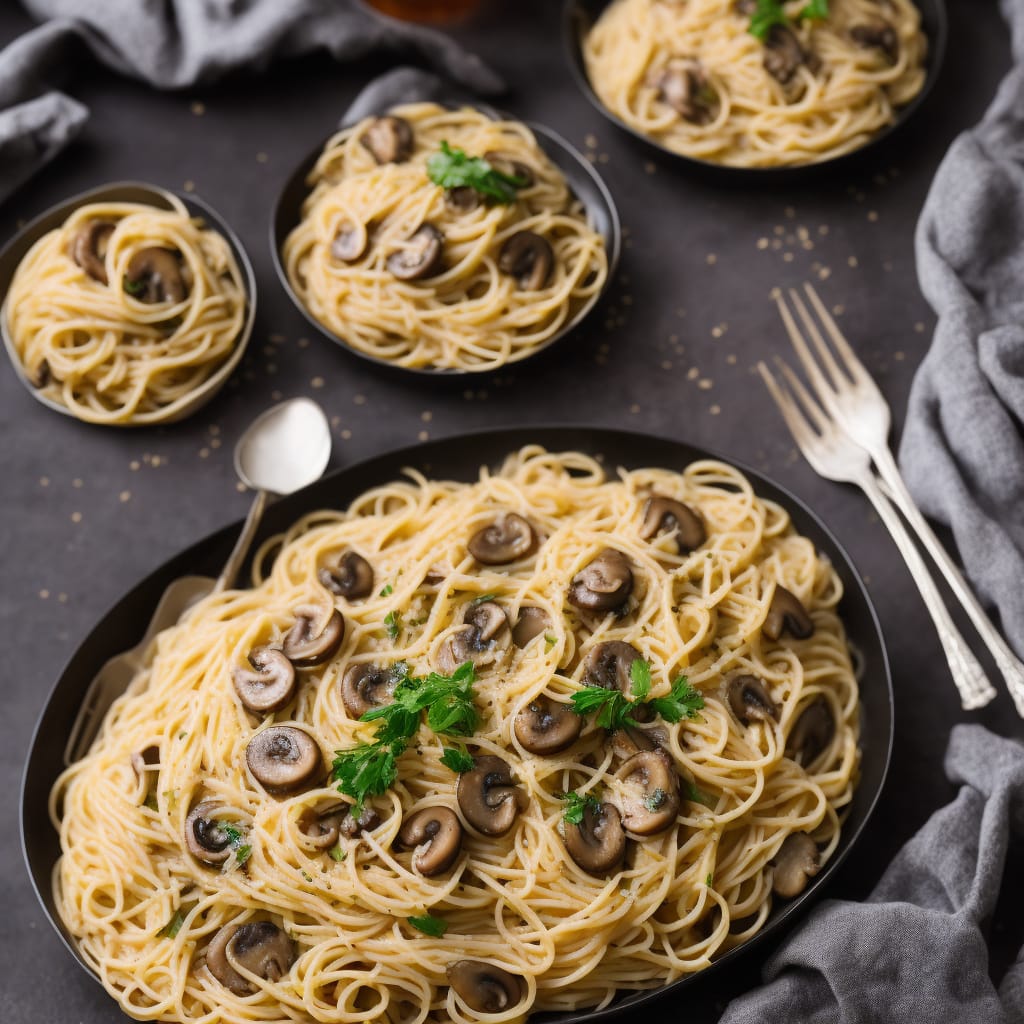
[[460, 458]]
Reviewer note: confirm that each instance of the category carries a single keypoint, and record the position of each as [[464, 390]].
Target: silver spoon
[[283, 450]]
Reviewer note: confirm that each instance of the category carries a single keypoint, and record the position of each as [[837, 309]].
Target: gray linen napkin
[[963, 444], [915, 951], [179, 43]]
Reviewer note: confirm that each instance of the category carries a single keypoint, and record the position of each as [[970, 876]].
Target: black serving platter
[[460, 458], [151, 195], [579, 15], [585, 183]]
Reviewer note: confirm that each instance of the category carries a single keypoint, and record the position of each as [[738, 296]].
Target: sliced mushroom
[[787, 613], [649, 792], [877, 35], [666, 515], [259, 947], [509, 538], [89, 246], [532, 621], [205, 837], [320, 829], [627, 743], [812, 733], [421, 254], [797, 861], [315, 637], [510, 167], [284, 759], [270, 685], [598, 843], [350, 241], [529, 258], [546, 726], [604, 584], [436, 834], [684, 85], [484, 987], [366, 686], [463, 198], [750, 700], [783, 54], [483, 639], [154, 275], [351, 576], [353, 825], [389, 139], [608, 665], [489, 795]]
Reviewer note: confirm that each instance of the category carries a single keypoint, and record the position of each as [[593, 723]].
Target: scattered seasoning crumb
[[590, 140], [278, 339], [426, 415], [44, 481], [719, 329], [650, 167], [705, 384], [204, 453], [359, 399], [303, 343], [715, 410], [919, 327], [711, 259], [692, 373], [603, 158], [824, 274], [261, 158], [198, 108], [346, 434], [240, 487], [779, 229], [44, 594], [213, 429], [762, 243], [76, 517], [423, 435], [899, 356], [133, 465], [787, 257], [215, 442], [872, 215], [823, 229], [189, 185], [77, 482], [317, 382], [790, 212], [852, 262], [634, 409], [125, 496], [335, 421], [838, 310], [666, 364], [776, 243], [63, 598], [731, 359]]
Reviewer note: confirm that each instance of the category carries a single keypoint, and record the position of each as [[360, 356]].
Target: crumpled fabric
[[173, 44], [963, 443], [915, 950]]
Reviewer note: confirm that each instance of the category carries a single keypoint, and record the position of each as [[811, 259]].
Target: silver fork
[[835, 456], [854, 401]]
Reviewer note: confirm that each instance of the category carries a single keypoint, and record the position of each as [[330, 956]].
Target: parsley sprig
[[453, 168], [576, 806], [769, 13], [241, 851], [372, 768], [429, 925], [458, 760], [615, 710]]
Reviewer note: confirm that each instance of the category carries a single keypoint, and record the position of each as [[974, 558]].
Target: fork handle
[[1009, 665], [973, 685]]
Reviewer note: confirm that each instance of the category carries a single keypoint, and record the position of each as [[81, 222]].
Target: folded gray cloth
[[179, 43], [963, 445], [915, 951]]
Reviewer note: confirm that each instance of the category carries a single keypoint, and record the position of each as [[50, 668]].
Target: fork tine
[[817, 378], [795, 421], [853, 365], [839, 379], [796, 387]]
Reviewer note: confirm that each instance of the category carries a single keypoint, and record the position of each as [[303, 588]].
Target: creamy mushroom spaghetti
[[584, 730], [694, 76], [442, 239], [125, 311]]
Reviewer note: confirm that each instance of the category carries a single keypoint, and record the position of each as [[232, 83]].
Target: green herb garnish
[[453, 168], [480, 598], [236, 839], [640, 677], [393, 624], [615, 711], [386, 590], [173, 926], [429, 925], [576, 806], [698, 796], [337, 852], [457, 760], [549, 641], [656, 800], [132, 287], [769, 13], [682, 702], [242, 854], [709, 880]]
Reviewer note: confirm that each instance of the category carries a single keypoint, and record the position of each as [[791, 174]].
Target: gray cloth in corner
[[963, 443], [915, 950], [178, 43]]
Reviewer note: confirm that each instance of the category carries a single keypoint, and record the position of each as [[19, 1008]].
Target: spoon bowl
[[285, 448]]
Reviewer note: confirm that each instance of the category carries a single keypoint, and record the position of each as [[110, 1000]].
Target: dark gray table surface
[[87, 511]]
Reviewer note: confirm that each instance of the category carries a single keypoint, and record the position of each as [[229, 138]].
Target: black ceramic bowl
[[579, 15], [459, 458], [583, 180], [152, 195]]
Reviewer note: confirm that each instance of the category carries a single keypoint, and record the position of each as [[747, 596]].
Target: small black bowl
[[585, 183], [151, 195], [579, 15]]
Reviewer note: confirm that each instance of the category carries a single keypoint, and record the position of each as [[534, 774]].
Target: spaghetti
[[475, 297], [691, 75], [183, 851], [126, 311]]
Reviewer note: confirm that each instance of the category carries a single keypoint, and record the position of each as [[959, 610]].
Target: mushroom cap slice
[[783, 54], [531, 622], [351, 576], [529, 258], [666, 515], [436, 834], [389, 139], [420, 255], [270, 685], [463, 198], [750, 700], [88, 247], [797, 861], [484, 987], [877, 34], [366, 686], [154, 274], [685, 87], [284, 759], [483, 639], [508, 539], [608, 665], [350, 241], [604, 584], [320, 829], [489, 796], [259, 947], [352, 825], [786, 612], [546, 726], [648, 788], [504, 164], [598, 843], [812, 733], [205, 837], [314, 638]]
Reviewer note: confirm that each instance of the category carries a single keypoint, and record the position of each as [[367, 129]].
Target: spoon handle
[[242, 545]]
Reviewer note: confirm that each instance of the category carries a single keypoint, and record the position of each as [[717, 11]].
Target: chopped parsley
[[683, 701], [576, 806], [429, 925], [769, 13], [709, 880], [240, 850], [698, 796], [453, 168], [386, 590], [337, 852], [550, 641], [481, 598], [132, 287], [615, 710], [640, 677], [173, 926], [656, 800], [393, 624], [458, 760]]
